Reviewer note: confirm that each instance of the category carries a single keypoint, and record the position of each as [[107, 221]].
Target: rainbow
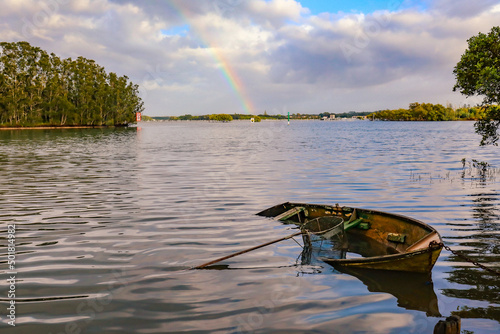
[[228, 72]]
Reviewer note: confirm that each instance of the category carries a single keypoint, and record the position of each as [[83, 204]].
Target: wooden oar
[[246, 251]]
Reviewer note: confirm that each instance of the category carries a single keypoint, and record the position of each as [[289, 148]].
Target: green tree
[[478, 73], [40, 89], [13, 78], [186, 117], [221, 117]]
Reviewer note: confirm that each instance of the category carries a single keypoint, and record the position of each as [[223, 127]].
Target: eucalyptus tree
[[38, 88], [125, 101], [57, 106], [12, 91]]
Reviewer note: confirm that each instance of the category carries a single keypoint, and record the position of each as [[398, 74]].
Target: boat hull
[[397, 243], [419, 261]]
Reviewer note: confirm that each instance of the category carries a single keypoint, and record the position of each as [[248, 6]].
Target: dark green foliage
[[478, 73], [489, 125], [423, 112], [41, 89], [266, 116], [186, 117], [221, 117], [245, 117]]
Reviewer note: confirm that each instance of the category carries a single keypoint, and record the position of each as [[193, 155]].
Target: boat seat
[[290, 213], [354, 221], [424, 242], [352, 224]]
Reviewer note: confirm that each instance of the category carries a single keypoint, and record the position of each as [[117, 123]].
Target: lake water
[[109, 220]]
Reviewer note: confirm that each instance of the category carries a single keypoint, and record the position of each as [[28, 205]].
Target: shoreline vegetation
[[415, 112], [40, 90], [54, 127]]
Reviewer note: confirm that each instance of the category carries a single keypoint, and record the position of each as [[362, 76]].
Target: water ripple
[[108, 222]]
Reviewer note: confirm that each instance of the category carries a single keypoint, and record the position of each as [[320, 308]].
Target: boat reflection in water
[[413, 291]]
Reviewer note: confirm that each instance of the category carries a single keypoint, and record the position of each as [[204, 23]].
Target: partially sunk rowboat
[[374, 239]]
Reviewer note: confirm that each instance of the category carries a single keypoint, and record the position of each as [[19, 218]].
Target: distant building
[[328, 118]]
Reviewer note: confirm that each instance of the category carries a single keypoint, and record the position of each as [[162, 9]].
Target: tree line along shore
[[38, 89], [415, 112], [430, 112]]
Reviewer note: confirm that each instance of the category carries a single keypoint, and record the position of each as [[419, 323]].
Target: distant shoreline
[[53, 127], [304, 119]]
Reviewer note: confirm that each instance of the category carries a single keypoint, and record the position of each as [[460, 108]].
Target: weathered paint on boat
[[419, 261], [399, 243]]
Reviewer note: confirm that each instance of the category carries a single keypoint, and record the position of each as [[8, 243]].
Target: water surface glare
[[108, 222]]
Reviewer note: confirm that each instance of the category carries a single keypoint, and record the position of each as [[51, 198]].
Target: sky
[[253, 56]]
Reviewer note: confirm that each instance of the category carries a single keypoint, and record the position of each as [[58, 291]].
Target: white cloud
[[275, 12], [495, 9], [86, 7]]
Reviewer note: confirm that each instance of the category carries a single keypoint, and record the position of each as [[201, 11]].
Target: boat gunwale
[[383, 213], [382, 258]]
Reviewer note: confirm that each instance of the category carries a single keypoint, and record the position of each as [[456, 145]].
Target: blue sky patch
[[176, 31], [358, 6]]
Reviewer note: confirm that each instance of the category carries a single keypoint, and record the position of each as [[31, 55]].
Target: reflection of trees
[[485, 211], [489, 312], [484, 248], [478, 171]]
